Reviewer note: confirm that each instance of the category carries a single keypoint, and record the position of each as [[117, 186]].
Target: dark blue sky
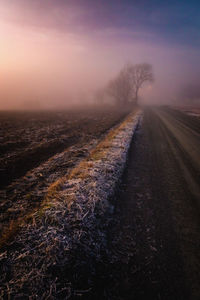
[[175, 21], [171, 21]]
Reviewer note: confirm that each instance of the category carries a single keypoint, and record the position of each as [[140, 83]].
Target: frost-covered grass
[[37, 148], [95, 178], [69, 229]]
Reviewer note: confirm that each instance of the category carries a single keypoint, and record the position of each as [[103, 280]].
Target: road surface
[[154, 238]]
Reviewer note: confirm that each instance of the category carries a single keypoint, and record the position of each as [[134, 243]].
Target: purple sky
[[55, 51]]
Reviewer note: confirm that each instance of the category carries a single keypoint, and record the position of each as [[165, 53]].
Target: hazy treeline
[[124, 88]]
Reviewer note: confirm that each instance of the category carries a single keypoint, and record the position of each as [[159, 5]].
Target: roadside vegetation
[[43, 259], [30, 171]]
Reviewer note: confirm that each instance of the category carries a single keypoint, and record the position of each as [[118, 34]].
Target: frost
[[72, 222]]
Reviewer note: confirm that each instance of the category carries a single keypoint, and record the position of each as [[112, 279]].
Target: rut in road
[[144, 260]]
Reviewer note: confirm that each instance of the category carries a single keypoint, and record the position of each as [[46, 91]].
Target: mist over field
[[99, 149], [56, 54]]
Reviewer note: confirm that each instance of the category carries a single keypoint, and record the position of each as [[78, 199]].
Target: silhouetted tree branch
[[120, 87], [139, 75], [125, 87]]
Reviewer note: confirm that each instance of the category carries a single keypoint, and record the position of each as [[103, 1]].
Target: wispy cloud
[[59, 47]]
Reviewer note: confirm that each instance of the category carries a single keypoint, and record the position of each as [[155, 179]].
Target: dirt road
[[154, 240]]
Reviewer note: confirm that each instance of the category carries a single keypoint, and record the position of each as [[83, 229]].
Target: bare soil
[[28, 139], [37, 148]]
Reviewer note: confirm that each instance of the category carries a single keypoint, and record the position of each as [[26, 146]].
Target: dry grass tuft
[[71, 220]]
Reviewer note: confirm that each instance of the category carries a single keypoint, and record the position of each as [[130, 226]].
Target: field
[[37, 148], [101, 214], [189, 109]]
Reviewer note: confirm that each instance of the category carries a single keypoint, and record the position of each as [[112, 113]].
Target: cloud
[[170, 22], [59, 50]]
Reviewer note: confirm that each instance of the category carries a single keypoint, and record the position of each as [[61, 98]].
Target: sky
[[58, 52]]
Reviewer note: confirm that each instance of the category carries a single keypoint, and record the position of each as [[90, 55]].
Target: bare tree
[[125, 87], [120, 87], [138, 75]]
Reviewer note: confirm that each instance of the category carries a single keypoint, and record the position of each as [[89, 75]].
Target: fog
[[55, 55]]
